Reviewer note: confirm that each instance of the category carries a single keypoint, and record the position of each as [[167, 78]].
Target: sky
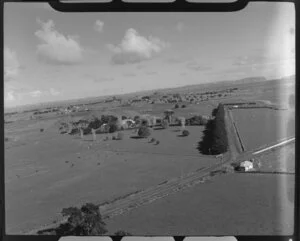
[[50, 55]]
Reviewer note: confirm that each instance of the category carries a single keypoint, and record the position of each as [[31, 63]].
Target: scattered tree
[[144, 132], [113, 127], [152, 140], [165, 124], [185, 133]]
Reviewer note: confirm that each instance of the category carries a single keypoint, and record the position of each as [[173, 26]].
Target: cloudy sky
[[50, 55]]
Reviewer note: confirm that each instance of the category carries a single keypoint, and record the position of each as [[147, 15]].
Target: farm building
[[245, 166]]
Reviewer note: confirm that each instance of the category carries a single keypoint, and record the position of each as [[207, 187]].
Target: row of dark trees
[[215, 140]]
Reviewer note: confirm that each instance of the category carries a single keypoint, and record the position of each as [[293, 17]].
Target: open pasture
[[262, 127], [51, 171], [239, 204], [279, 160]]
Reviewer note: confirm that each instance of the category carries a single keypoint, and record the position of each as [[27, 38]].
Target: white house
[[246, 165]]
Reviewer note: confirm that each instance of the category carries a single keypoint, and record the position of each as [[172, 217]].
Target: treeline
[[215, 139]]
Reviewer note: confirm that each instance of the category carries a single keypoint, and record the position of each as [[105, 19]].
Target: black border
[[176, 6]]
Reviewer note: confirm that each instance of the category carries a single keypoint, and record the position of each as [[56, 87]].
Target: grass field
[[260, 127], [47, 171], [43, 175], [235, 204], [279, 160]]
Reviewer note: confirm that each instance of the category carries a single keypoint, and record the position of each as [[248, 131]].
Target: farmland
[[258, 127], [239, 204], [46, 171]]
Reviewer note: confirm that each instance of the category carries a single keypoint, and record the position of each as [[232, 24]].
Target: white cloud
[[10, 96], [98, 26], [11, 64], [54, 92], [179, 26], [35, 93], [57, 48], [135, 48]]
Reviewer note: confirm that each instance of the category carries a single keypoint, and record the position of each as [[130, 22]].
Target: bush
[[124, 117], [122, 233], [152, 140], [144, 122], [157, 142], [176, 106], [144, 132], [87, 131], [95, 123], [113, 127], [42, 130], [120, 136], [185, 133], [108, 119], [183, 106], [165, 124]]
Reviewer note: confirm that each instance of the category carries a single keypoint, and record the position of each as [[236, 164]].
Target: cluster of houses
[[62, 110], [190, 97], [105, 124], [72, 109]]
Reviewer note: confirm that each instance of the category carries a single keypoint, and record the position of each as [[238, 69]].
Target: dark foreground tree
[[84, 221]]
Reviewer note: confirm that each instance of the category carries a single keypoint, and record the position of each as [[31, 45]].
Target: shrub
[[120, 136], [152, 140], [183, 106], [157, 142], [144, 122], [114, 138], [108, 119], [185, 133], [124, 117], [113, 127], [144, 132], [165, 124], [122, 233], [87, 130], [42, 129], [176, 106], [95, 123]]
